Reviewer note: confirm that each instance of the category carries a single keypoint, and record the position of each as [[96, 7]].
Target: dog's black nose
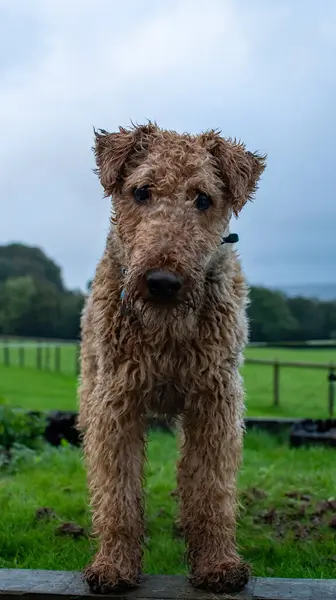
[[162, 284]]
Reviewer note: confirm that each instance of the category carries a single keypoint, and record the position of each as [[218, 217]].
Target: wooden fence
[[41, 355], [16, 584], [330, 368], [46, 355]]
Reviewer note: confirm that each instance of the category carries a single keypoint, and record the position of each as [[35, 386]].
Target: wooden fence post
[[331, 391], [47, 357], [57, 359], [77, 364], [38, 356], [6, 354], [276, 383], [21, 356]]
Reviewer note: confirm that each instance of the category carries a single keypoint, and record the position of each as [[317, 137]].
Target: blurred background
[[260, 71]]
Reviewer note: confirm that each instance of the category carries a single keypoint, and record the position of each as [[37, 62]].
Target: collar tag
[[232, 238], [123, 271]]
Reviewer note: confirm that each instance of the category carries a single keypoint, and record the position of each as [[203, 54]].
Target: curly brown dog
[[163, 331]]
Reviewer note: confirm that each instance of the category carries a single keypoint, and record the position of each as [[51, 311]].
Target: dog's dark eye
[[203, 202], [141, 194]]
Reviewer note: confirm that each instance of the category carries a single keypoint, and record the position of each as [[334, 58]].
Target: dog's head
[[173, 197]]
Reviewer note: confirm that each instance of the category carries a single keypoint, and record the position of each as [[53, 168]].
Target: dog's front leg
[[211, 454], [114, 450]]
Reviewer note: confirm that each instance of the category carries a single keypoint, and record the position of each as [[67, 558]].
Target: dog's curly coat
[[180, 356]]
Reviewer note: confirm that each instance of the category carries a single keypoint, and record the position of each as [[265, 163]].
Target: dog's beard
[[152, 314], [157, 316]]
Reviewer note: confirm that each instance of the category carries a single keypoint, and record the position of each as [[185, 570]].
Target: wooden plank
[[57, 585], [294, 589]]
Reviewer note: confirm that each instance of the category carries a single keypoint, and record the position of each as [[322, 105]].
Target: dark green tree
[[33, 299], [270, 316], [16, 298], [17, 260], [310, 318], [329, 313]]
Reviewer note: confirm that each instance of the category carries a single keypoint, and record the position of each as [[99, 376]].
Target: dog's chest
[[168, 372], [166, 399]]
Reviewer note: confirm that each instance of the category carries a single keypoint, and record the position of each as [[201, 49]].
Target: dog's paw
[[107, 581], [228, 579]]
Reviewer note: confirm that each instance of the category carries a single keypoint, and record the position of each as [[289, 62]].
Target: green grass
[[303, 392], [57, 481], [38, 390]]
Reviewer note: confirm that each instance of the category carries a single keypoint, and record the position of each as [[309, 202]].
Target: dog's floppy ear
[[239, 169], [113, 150]]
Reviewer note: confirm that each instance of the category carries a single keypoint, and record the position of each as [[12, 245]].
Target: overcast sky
[[261, 70]]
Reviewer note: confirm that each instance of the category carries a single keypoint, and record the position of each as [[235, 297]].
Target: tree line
[[34, 302]]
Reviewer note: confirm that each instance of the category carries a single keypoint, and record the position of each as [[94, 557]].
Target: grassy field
[[272, 526], [303, 392]]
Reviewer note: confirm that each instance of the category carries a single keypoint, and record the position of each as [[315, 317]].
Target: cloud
[[261, 71]]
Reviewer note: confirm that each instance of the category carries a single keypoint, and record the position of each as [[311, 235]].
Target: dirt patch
[[300, 514], [298, 496], [45, 513], [251, 495], [332, 522], [72, 529]]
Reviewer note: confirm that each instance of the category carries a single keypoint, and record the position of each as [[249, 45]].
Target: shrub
[[19, 429]]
